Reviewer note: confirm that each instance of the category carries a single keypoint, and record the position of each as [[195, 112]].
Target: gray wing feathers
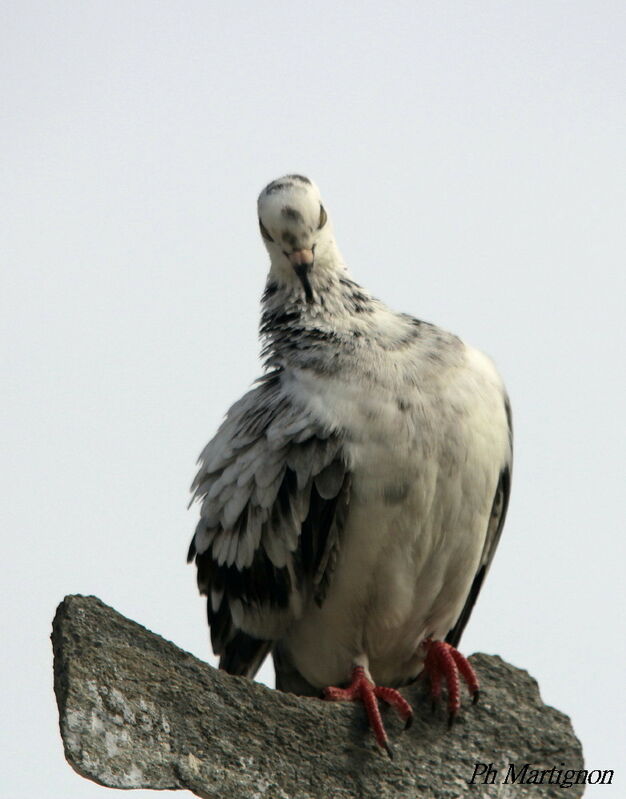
[[329, 480], [265, 480], [243, 468]]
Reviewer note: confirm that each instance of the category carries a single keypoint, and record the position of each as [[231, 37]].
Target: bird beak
[[302, 261], [301, 258]]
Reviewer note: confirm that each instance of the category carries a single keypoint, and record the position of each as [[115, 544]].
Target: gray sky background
[[473, 158]]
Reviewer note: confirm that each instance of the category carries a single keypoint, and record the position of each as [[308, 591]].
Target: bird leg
[[363, 689], [444, 661]]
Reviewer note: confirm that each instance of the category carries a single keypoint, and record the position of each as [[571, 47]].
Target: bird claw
[[445, 662], [363, 689]]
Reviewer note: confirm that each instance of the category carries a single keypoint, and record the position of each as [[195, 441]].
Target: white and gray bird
[[352, 501]]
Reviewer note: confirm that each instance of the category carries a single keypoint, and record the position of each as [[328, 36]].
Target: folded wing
[[274, 488], [494, 531]]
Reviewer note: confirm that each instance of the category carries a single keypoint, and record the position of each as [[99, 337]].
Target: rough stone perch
[[137, 712]]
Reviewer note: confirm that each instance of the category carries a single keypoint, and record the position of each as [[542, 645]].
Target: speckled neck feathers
[[294, 329]]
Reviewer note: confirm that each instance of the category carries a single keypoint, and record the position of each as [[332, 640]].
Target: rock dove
[[352, 501]]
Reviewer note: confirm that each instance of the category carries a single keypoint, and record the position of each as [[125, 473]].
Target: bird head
[[294, 226]]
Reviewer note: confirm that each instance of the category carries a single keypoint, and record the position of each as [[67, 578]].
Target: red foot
[[363, 689], [443, 660]]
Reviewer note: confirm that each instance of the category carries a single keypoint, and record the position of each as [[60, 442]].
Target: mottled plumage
[[352, 501]]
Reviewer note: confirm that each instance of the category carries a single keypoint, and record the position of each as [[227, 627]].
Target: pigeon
[[352, 501]]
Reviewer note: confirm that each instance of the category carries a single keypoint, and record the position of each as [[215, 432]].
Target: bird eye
[[323, 217], [264, 232]]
